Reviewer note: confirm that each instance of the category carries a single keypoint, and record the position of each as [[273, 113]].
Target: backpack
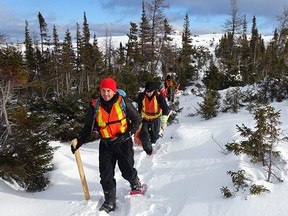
[[121, 92]]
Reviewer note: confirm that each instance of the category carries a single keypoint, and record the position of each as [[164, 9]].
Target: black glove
[[79, 144]]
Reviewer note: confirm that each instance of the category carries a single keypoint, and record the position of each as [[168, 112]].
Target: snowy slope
[[184, 176]]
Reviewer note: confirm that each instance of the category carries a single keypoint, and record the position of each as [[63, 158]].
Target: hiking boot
[[110, 201], [149, 152], [153, 141], [136, 185]]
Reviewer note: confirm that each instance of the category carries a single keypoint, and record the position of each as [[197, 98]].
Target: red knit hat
[[108, 83]]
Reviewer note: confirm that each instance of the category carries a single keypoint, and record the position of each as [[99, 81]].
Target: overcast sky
[[206, 16]]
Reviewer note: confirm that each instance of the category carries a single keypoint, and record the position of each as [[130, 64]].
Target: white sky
[[206, 16]]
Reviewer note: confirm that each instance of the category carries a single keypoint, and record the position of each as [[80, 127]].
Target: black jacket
[[134, 118], [160, 99]]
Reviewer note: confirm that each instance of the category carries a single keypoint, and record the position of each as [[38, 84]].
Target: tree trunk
[[5, 94]]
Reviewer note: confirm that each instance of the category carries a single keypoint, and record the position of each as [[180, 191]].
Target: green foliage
[[257, 189], [232, 100], [240, 182], [209, 106], [226, 192], [187, 70], [239, 179], [66, 116], [213, 78], [227, 53], [26, 156], [260, 144], [235, 147], [273, 89]]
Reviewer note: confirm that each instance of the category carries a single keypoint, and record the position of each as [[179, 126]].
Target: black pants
[[109, 155], [170, 94], [149, 134]]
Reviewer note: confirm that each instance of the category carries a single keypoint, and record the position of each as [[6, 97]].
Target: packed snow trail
[[177, 163]]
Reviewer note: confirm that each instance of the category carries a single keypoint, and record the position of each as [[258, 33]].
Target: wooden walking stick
[[81, 171]]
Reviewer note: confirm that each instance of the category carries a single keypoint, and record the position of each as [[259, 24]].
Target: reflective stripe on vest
[[150, 109], [113, 123]]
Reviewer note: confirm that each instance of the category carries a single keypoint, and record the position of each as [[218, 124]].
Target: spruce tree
[[133, 56], [78, 47], [97, 61], [213, 79], [186, 71], [232, 100], [86, 58], [29, 61], [29, 156], [108, 50], [257, 51], [260, 144], [78, 61], [43, 31], [210, 105], [168, 51], [67, 66], [145, 41], [133, 61], [228, 54], [245, 61], [54, 63], [43, 58]]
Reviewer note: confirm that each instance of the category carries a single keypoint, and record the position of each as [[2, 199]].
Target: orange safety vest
[[112, 123], [150, 109], [169, 83]]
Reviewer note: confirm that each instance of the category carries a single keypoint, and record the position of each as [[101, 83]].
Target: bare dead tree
[[234, 25]]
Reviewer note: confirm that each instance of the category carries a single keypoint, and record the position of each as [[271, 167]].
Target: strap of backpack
[[96, 109]]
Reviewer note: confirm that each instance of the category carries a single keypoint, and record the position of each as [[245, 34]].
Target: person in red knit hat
[[115, 126], [108, 83]]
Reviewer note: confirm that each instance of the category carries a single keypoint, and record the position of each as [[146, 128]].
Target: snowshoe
[[140, 192]]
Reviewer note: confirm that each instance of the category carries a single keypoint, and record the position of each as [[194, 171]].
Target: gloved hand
[[163, 122], [79, 144]]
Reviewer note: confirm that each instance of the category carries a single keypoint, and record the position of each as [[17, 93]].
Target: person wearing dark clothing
[[115, 126], [170, 88], [154, 110]]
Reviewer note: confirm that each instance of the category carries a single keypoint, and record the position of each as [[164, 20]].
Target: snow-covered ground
[[184, 176]]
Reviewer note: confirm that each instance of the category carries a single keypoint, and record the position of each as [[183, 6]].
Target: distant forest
[[46, 89]]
